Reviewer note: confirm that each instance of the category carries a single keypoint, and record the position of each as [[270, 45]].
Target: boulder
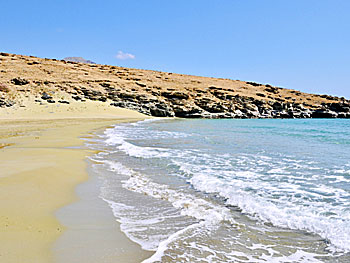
[[46, 96], [158, 112], [19, 81], [76, 98]]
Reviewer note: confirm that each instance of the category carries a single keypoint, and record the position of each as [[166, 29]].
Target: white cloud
[[123, 56]]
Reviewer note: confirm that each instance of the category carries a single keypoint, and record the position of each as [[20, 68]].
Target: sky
[[296, 44]]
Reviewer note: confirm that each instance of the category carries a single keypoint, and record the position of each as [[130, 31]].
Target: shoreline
[[42, 164], [93, 233]]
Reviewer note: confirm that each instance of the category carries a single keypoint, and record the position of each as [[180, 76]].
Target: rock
[[19, 81], [338, 107], [158, 112], [105, 85], [305, 115], [271, 89], [238, 113], [254, 83], [77, 98], [161, 109], [63, 102], [251, 107], [141, 84], [6, 103], [46, 96], [127, 96], [253, 114], [284, 115], [175, 95], [343, 115], [4, 88], [50, 101], [213, 107], [33, 63], [2, 103], [103, 99], [278, 106], [187, 111], [120, 104], [324, 113]]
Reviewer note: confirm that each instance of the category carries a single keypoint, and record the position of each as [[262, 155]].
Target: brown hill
[[157, 93]]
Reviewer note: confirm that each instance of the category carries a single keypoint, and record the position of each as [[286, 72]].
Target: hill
[[156, 93], [79, 60]]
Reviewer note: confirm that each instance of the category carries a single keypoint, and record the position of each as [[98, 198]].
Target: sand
[[41, 164]]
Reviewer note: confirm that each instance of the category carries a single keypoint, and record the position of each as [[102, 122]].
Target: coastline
[[93, 234], [42, 164]]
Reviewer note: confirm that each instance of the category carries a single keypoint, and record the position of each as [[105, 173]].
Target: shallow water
[[230, 190]]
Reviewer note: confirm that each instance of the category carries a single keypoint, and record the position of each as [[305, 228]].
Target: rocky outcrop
[[179, 104]]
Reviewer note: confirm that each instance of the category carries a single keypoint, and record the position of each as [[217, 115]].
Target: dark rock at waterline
[[323, 113]]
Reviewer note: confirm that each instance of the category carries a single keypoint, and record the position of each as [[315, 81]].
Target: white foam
[[131, 226], [189, 204], [119, 168], [285, 191], [282, 214], [143, 152], [163, 246], [153, 119]]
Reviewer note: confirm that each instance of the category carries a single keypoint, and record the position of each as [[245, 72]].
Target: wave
[[271, 187], [331, 224]]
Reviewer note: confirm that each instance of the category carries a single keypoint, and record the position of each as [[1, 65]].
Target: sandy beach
[[42, 162]]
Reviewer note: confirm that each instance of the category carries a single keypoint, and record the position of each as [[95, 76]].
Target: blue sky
[[298, 44]]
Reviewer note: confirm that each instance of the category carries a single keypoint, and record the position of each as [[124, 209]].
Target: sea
[[229, 190]]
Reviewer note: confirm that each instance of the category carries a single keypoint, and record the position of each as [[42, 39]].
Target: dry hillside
[[156, 93]]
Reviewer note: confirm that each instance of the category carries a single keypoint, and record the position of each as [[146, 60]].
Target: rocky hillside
[[157, 93]]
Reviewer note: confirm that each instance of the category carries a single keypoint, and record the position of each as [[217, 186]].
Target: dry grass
[[48, 75]]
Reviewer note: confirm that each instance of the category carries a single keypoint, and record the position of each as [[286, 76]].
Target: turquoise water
[[231, 190]]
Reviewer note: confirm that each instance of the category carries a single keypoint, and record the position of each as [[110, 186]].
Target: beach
[[42, 162], [89, 182], [87, 175]]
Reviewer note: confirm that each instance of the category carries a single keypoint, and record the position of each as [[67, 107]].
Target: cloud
[[123, 56]]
